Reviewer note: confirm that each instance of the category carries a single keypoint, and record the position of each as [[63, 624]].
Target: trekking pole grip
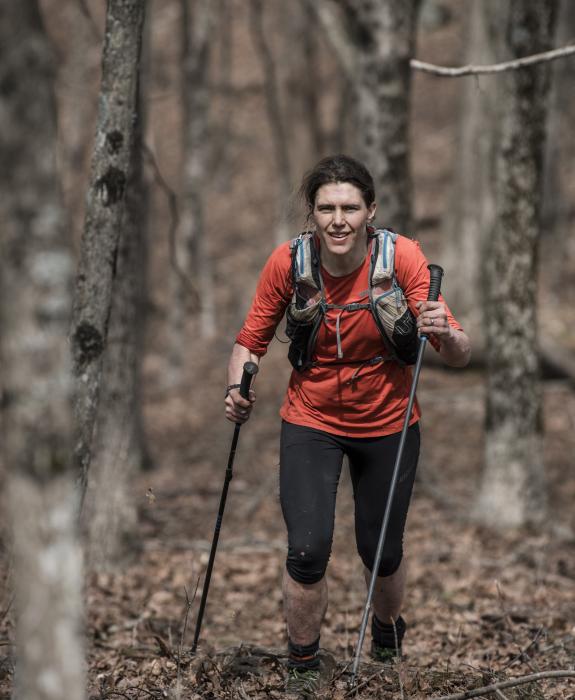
[[250, 370], [435, 275]]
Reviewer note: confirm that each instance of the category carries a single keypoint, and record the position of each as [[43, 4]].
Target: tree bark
[[104, 210], [383, 35], [120, 447], [471, 212], [512, 491], [197, 28], [193, 259], [275, 117], [558, 255], [36, 269]]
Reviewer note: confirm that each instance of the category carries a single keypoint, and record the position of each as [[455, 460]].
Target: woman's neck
[[341, 265]]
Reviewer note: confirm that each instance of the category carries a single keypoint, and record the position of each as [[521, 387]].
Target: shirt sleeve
[[273, 293], [413, 277]]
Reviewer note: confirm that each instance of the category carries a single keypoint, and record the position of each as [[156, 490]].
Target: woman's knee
[[390, 559], [307, 561]]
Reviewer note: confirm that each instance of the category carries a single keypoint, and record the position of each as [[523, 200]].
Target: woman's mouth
[[338, 235]]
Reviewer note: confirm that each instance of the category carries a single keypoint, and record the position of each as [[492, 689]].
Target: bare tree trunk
[[275, 117], [36, 269], [384, 39], [471, 213], [301, 78], [120, 450], [374, 42], [222, 135], [558, 255], [513, 487], [311, 82], [197, 29], [104, 210], [192, 254]]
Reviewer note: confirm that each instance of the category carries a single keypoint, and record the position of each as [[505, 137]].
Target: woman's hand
[[238, 409], [432, 319]]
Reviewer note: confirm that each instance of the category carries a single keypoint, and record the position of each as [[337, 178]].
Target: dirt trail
[[480, 607]]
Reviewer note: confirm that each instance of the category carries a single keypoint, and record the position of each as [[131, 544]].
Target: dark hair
[[338, 168]]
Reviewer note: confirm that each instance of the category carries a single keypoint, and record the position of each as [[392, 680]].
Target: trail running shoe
[[302, 683], [385, 655]]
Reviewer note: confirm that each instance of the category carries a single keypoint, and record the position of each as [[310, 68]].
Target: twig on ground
[[522, 655], [359, 686], [184, 628], [510, 626], [511, 683], [526, 61]]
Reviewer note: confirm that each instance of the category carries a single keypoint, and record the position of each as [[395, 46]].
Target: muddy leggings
[[310, 467]]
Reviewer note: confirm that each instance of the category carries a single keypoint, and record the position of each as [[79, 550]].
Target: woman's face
[[341, 217]]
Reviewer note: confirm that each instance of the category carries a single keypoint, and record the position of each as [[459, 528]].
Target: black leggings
[[310, 466]]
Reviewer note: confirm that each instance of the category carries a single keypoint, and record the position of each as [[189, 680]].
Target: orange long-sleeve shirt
[[344, 399]]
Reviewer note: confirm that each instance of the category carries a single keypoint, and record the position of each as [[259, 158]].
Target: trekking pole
[[435, 275], [250, 369]]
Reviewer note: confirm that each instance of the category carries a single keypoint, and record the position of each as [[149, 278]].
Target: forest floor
[[482, 606]]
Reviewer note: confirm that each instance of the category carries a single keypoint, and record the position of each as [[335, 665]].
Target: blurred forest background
[[151, 155]]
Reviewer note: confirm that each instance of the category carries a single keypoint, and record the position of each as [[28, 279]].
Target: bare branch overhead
[[516, 64], [335, 34]]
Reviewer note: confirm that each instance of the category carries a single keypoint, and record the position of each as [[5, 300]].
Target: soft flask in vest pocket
[[304, 314], [394, 319]]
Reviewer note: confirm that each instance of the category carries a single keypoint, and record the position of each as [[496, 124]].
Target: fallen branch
[[516, 64], [512, 682]]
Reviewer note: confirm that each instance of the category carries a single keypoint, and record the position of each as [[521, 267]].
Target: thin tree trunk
[[191, 245], [197, 33], [558, 255], [310, 85], [275, 117], [104, 210], [222, 135], [120, 450], [36, 269], [383, 36], [471, 212], [513, 486]]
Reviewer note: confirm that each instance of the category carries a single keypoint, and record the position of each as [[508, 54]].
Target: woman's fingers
[[432, 318], [238, 409]]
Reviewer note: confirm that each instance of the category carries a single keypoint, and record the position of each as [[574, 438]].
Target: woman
[[348, 398]]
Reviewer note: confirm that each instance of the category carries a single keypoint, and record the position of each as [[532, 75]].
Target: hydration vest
[[384, 299]]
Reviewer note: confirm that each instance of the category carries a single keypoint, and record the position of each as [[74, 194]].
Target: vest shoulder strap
[[382, 256], [305, 260]]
